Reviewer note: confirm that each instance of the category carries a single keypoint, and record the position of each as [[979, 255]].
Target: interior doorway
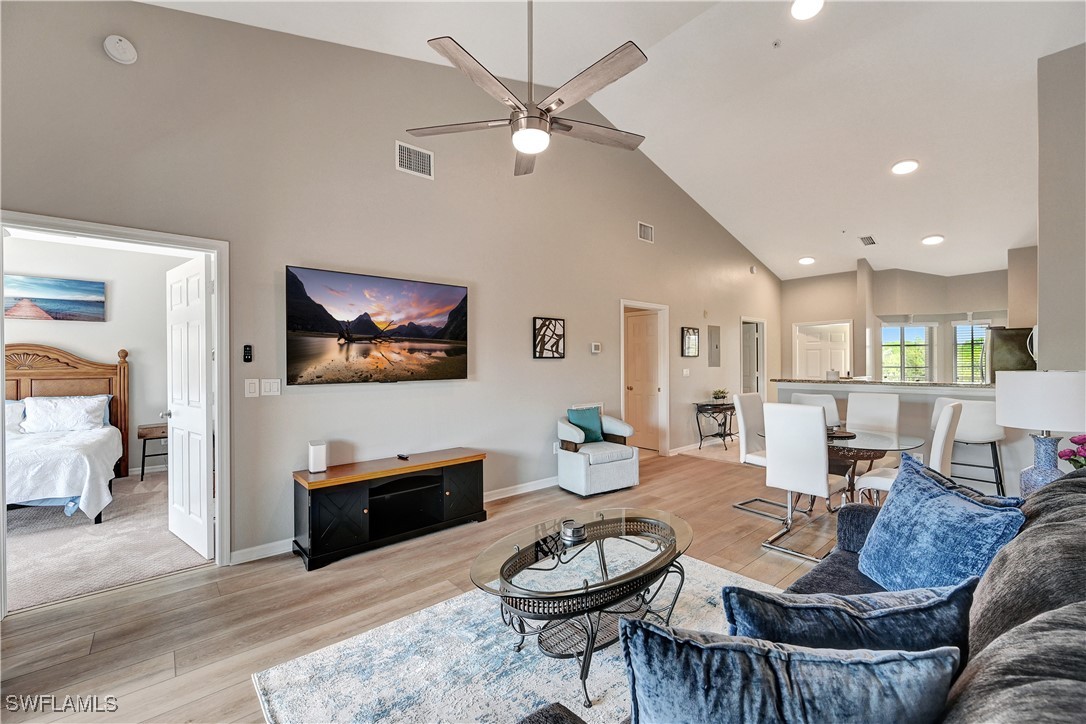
[[821, 347], [644, 373], [175, 515], [752, 355]]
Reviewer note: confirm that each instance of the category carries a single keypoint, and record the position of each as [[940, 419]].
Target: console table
[[719, 414], [352, 508]]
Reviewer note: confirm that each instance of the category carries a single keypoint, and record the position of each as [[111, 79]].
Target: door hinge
[[212, 355]]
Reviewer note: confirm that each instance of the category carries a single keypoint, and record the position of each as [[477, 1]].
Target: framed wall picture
[[548, 338], [69, 300], [689, 342]]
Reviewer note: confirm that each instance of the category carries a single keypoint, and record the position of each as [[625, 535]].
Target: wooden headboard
[[35, 370]]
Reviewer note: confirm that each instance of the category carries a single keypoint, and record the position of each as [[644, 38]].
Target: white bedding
[[63, 465]]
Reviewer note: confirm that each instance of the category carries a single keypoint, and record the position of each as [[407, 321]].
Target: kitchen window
[[970, 356], [907, 354]]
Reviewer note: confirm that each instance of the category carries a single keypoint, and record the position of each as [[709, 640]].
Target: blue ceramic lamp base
[[1045, 464]]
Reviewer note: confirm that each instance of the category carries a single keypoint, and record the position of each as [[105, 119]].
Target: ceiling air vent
[[644, 232], [868, 240], [415, 161]]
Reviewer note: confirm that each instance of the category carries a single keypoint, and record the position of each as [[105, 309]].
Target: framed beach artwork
[[548, 338], [46, 298]]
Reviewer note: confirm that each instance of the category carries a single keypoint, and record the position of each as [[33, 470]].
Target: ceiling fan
[[533, 123]]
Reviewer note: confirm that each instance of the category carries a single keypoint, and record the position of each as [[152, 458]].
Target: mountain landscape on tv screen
[[345, 327]]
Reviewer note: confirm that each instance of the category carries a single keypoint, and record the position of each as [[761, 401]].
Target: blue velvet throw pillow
[[588, 419], [927, 536], [912, 466], [689, 676], [915, 620]]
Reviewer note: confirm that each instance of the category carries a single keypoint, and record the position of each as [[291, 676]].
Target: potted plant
[[720, 394]]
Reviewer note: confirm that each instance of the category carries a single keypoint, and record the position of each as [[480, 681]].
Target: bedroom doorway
[[644, 373], [175, 515]]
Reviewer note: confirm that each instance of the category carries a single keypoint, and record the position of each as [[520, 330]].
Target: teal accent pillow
[[915, 620], [688, 676], [588, 419], [927, 536]]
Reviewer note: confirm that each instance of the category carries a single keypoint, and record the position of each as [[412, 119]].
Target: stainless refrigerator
[[1009, 348]]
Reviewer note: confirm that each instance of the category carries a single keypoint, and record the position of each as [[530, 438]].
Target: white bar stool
[[978, 427]]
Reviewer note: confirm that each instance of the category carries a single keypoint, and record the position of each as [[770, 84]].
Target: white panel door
[[643, 380], [188, 381], [750, 357], [822, 347]]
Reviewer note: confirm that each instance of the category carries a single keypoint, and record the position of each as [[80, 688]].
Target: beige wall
[[899, 292], [135, 317], [1061, 220], [283, 146], [1022, 287], [866, 349], [826, 298]]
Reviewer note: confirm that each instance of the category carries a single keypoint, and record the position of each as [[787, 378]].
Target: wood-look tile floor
[[182, 648]]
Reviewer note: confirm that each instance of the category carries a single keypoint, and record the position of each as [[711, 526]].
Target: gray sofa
[[1027, 634], [1027, 625]]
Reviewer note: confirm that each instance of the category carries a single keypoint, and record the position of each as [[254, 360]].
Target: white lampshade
[[1041, 400]]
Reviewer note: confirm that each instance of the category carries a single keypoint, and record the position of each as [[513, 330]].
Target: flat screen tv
[[344, 327]]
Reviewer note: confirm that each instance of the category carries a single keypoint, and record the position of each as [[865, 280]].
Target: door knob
[[630, 388], [165, 415]]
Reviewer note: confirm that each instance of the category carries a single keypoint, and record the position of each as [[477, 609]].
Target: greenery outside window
[[907, 354], [970, 356]]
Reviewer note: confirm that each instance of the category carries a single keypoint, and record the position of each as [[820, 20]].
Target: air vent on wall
[[868, 240], [644, 232], [415, 161]]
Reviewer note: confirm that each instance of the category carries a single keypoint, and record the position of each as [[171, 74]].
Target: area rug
[[52, 557], [454, 662]]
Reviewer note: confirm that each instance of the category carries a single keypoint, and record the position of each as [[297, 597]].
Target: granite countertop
[[846, 381]]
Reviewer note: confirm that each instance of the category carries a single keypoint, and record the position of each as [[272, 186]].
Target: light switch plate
[[269, 387], [252, 388], [686, 373]]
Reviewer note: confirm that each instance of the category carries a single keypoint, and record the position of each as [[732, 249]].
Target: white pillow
[[63, 414], [13, 413]]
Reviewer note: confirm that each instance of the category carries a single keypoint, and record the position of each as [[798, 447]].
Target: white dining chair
[[797, 461], [978, 427], [872, 412], [748, 415], [828, 403], [942, 444]]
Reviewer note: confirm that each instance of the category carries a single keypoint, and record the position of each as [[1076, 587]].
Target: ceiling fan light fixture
[[531, 134], [806, 9]]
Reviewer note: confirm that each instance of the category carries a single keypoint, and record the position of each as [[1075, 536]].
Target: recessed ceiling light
[[933, 240], [806, 260], [806, 9], [903, 167]]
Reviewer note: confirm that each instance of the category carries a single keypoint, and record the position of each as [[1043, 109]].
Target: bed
[[74, 469]]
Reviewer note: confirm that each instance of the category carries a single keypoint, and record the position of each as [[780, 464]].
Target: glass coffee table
[[569, 591]]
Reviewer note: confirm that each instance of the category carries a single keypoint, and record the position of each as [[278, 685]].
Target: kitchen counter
[[849, 381]]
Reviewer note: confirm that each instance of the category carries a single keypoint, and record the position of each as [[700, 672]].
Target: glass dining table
[[847, 448]]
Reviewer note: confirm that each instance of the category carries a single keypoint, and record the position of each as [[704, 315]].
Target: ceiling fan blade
[[604, 135], [458, 127], [603, 72], [480, 76], [525, 164]]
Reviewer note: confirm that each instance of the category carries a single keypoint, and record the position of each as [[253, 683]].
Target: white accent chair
[[597, 467], [978, 427], [944, 423], [797, 462], [748, 414], [828, 403]]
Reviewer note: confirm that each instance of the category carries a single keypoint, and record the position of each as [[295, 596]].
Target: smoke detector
[[120, 49]]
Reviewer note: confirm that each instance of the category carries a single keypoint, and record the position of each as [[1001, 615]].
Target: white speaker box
[[318, 456]]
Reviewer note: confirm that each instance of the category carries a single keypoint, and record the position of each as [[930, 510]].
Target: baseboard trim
[[150, 469], [694, 446], [520, 489], [262, 551]]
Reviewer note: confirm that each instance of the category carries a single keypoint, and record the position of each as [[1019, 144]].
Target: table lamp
[[1044, 401]]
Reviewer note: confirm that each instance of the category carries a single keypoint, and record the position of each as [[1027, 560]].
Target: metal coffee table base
[[579, 636]]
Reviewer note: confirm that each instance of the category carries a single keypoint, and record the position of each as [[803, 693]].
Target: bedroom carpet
[[455, 662], [52, 557]]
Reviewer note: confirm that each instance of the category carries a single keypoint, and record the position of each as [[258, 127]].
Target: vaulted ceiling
[[783, 130]]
